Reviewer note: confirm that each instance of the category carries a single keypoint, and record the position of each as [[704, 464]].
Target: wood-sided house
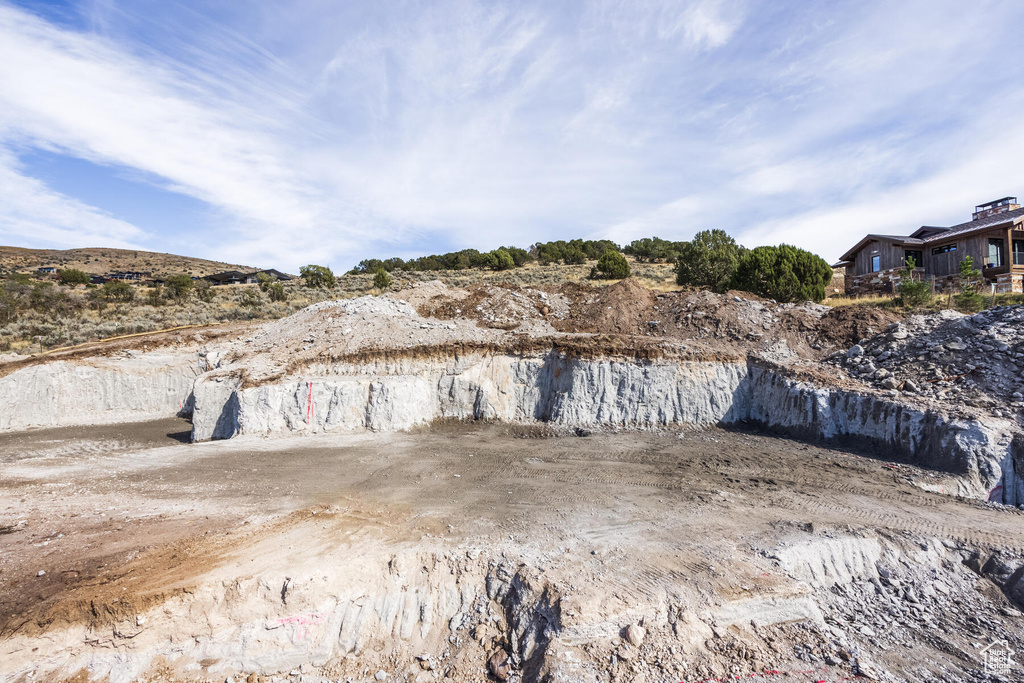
[[993, 238]]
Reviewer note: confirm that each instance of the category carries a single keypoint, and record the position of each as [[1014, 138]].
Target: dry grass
[[874, 300], [654, 275]]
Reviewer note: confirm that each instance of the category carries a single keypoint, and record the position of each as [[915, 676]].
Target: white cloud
[[32, 213], [367, 131], [945, 197], [80, 95]]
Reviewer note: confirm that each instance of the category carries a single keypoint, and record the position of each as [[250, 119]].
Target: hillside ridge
[[103, 260]]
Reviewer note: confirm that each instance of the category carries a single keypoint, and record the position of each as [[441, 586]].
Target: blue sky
[[315, 131]]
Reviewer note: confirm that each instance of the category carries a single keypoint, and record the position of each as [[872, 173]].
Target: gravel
[[975, 361]]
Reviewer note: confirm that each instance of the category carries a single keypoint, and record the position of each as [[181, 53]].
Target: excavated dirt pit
[[477, 552]]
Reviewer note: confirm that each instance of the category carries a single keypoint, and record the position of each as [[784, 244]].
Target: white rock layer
[[107, 390], [556, 389]]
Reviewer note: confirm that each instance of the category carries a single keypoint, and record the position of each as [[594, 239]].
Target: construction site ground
[[101, 521]]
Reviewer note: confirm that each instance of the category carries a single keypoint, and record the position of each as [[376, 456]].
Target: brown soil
[[626, 307], [844, 326]]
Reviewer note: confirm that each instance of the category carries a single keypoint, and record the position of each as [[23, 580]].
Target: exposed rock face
[[555, 389], [981, 452], [127, 388], [551, 388]]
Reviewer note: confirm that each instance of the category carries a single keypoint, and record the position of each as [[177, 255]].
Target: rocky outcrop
[[446, 613], [126, 388]]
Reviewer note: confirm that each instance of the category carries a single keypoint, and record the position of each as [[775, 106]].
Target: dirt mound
[[424, 295], [740, 320], [626, 307], [972, 360], [844, 326], [502, 307], [432, 314]]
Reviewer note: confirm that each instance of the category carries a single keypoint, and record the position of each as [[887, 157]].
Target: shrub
[[574, 256], [520, 257], [548, 254], [783, 273], [155, 296], [652, 249], [969, 301], [179, 286], [117, 290], [97, 299], [913, 292], [250, 299], [611, 266], [709, 260], [968, 275], [204, 290], [9, 305], [73, 276], [381, 279], [503, 260], [275, 290], [317, 276]]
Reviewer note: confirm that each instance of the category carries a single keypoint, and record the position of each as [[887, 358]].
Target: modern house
[[129, 276], [237, 277], [993, 238]]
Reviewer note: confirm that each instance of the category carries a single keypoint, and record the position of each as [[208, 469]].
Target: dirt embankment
[[135, 343], [737, 319]]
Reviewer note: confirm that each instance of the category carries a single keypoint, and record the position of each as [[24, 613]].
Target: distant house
[[276, 274], [237, 277], [47, 270], [98, 279], [993, 238], [229, 277], [129, 276]]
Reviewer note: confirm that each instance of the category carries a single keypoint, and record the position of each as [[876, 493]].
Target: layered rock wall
[[557, 389], [550, 388], [97, 391]]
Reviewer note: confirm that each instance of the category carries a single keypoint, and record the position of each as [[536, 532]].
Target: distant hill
[[100, 261]]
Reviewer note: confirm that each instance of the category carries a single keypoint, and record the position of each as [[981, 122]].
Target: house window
[[995, 252], [916, 255], [876, 264], [943, 249], [1018, 252]]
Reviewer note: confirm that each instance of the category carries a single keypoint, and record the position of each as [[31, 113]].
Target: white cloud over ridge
[[332, 133]]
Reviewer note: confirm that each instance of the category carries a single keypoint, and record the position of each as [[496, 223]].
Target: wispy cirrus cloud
[[330, 132], [34, 213], [80, 95]]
